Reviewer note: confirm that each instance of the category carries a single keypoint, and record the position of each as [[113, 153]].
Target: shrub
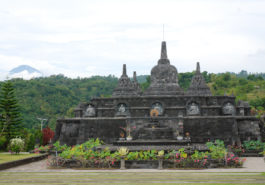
[[217, 149], [254, 145], [16, 145], [47, 135], [3, 141], [60, 148]]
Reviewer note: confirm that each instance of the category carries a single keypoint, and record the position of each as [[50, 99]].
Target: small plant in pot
[[129, 138], [123, 151]]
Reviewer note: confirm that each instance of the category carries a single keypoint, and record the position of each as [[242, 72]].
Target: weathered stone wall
[[172, 105], [76, 131], [201, 129]]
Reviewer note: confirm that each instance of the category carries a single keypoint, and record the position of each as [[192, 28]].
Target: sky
[[82, 38]]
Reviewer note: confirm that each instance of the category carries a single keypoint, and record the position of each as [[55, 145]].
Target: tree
[[47, 134], [10, 122]]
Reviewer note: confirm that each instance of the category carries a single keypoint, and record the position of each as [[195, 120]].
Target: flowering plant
[[16, 145], [232, 160]]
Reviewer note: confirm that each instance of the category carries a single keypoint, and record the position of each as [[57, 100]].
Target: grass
[[7, 157], [132, 178]]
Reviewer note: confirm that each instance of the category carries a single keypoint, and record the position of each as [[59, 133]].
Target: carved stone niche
[[90, 111], [157, 106], [228, 109], [71, 130], [122, 110], [193, 109]]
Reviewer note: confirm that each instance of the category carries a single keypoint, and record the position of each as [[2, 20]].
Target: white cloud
[[84, 38]]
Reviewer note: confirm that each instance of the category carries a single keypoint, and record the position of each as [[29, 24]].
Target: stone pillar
[[122, 163], [160, 163]]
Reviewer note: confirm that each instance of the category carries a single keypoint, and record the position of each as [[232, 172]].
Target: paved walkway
[[252, 164]]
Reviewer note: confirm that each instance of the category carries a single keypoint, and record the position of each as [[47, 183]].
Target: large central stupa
[[162, 116]]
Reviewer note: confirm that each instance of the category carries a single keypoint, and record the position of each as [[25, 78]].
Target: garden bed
[[87, 155]]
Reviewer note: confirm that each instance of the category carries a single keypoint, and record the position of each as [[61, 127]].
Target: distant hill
[[24, 71]]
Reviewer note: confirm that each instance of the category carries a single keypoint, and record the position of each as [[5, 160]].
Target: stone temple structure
[[163, 115]]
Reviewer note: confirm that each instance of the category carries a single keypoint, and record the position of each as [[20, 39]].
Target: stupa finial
[[124, 72], [198, 69], [164, 50], [134, 76]]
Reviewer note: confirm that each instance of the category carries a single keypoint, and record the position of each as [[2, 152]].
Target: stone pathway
[[252, 164]]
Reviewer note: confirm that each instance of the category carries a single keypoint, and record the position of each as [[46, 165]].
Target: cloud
[[84, 38]]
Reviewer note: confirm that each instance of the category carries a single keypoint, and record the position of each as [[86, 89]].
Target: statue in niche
[[90, 111], [122, 108], [242, 112], [229, 109], [193, 109], [157, 106]]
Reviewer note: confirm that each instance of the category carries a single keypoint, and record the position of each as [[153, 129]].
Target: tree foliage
[[10, 122]]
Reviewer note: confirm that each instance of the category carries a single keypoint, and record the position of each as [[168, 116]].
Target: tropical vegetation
[[87, 155]]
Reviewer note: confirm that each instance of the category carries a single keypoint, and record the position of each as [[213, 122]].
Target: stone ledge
[[16, 163]]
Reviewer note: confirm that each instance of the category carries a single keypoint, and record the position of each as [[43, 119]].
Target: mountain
[[24, 71]]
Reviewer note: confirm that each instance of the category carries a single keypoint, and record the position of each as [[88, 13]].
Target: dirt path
[[252, 164]]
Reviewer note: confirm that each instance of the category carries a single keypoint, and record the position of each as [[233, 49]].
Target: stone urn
[[179, 138], [129, 138]]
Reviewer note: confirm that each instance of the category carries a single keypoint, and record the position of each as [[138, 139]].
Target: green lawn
[[6, 157], [133, 178]]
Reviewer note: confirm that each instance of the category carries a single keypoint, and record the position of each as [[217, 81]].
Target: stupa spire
[[198, 69], [134, 76], [198, 86], [164, 50], [124, 71]]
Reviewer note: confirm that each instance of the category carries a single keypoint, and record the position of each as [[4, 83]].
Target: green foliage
[[254, 145], [199, 155], [59, 147], [146, 84], [217, 149], [16, 145], [57, 96], [3, 140], [10, 118], [89, 157]]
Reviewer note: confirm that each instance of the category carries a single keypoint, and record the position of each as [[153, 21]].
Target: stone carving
[[158, 106], [71, 130], [125, 86], [122, 110], [164, 77], [193, 109], [90, 111], [198, 86], [136, 84], [228, 109], [213, 101]]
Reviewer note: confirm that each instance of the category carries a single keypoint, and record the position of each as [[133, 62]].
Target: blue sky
[[85, 37]]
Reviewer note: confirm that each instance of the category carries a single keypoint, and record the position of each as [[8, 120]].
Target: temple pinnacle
[[164, 50], [198, 70], [134, 76], [124, 73]]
